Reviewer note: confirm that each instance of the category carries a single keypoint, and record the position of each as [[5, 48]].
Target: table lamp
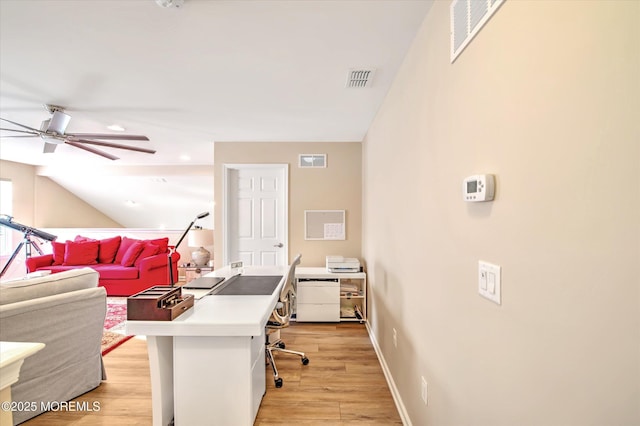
[[199, 238]]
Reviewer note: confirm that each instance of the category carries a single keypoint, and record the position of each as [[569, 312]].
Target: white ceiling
[[209, 71]]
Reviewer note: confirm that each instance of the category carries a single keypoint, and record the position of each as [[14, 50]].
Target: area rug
[[113, 334]]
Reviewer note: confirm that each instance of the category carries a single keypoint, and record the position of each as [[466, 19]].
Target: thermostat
[[478, 188]]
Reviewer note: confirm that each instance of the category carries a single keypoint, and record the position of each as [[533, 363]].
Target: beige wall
[[547, 98], [337, 187], [54, 206], [41, 203], [23, 179]]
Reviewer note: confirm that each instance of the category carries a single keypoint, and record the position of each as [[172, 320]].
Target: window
[[6, 208]]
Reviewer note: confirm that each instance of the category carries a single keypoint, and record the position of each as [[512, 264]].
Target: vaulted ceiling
[[187, 77]]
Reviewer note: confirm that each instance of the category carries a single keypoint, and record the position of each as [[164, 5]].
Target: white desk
[[207, 365]]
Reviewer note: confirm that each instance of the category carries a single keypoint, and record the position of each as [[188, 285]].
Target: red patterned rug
[[113, 334]]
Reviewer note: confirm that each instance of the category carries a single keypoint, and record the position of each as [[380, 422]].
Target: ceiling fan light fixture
[[170, 3], [58, 123]]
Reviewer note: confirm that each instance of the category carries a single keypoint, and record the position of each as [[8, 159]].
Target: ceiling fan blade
[[17, 136], [59, 122], [113, 145], [92, 150], [21, 125], [107, 136], [24, 134], [49, 147]]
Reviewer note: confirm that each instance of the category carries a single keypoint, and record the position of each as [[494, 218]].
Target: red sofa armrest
[[157, 261], [155, 269], [35, 262]]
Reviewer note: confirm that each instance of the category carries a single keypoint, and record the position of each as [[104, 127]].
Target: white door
[[255, 214]]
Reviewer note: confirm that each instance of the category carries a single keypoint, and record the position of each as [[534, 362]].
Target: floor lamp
[[173, 250]]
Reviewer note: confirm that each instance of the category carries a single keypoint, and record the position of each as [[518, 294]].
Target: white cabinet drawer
[[320, 312], [257, 347], [258, 375], [318, 292]]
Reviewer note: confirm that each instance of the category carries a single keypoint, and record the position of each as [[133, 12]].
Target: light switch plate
[[489, 282]]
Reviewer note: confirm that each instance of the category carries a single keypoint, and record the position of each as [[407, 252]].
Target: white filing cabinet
[[324, 296], [318, 299]]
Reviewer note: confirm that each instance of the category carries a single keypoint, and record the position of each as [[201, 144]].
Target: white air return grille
[[467, 18], [360, 77], [315, 161]]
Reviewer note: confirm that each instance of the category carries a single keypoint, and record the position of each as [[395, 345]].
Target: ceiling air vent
[[360, 77]]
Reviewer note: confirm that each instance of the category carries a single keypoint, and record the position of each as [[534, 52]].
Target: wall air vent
[[306, 161], [467, 18], [360, 77]]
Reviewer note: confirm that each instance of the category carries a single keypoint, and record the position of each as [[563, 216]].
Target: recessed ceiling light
[[185, 157], [130, 202], [116, 128]]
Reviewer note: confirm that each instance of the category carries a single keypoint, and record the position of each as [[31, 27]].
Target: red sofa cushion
[[81, 253], [58, 252], [108, 249], [148, 250], [132, 253], [162, 243], [115, 271], [124, 246]]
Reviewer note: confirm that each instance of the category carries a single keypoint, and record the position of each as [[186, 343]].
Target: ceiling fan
[[52, 131]]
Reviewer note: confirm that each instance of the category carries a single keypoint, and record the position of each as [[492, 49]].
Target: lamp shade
[[200, 238]]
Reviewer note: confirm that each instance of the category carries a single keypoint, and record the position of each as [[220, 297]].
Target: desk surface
[[219, 315]]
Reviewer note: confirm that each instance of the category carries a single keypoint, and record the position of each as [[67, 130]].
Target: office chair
[[280, 319]]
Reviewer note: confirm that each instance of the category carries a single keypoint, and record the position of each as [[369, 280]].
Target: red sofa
[[126, 265]]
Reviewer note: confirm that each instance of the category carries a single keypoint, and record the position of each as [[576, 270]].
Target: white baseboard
[[404, 416]]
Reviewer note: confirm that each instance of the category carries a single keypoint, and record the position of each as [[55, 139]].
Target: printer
[[342, 264]]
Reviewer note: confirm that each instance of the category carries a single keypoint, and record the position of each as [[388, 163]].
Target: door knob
[[279, 245]]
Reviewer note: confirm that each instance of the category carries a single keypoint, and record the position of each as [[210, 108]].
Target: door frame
[[226, 170]]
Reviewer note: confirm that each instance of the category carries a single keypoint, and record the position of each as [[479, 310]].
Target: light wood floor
[[342, 385]]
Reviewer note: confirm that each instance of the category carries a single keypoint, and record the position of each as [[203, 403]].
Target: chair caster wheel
[[305, 360], [278, 382], [281, 345]]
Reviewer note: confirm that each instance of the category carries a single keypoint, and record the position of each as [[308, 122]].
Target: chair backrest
[[282, 312]]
